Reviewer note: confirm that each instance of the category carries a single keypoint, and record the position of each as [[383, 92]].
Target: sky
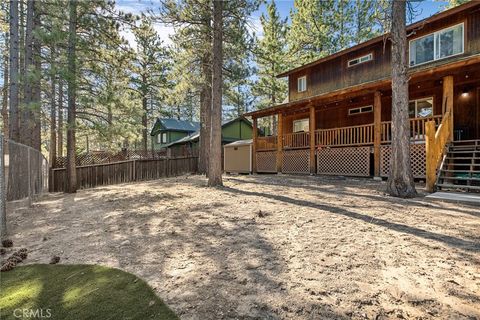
[[424, 9]]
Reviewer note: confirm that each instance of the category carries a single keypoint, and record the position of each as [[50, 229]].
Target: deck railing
[[266, 143], [296, 140], [417, 128], [346, 136]]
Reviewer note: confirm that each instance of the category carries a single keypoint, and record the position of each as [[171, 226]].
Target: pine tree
[[215, 163], [14, 132], [311, 30], [364, 21], [454, 3], [271, 58], [149, 72], [72, 94], [400, 181]]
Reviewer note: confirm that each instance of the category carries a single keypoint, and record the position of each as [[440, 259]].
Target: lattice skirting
[[267, 161], [296, 161], [417, 158], [349, 161]]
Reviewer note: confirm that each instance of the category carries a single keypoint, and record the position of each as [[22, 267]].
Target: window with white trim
[[159, 138], [438, 45], [359, 110], [421, 108], [302, 84], [301, 125], [164, 137], [362, 59]]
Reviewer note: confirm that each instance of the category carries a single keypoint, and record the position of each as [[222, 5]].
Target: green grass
[[78, 292]]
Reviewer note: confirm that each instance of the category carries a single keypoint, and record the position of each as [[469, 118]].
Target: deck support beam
[[279, 142], [312, 140], [254, 145], [377, 136]]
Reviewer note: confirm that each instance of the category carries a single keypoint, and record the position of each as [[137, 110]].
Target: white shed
[[238, 157]]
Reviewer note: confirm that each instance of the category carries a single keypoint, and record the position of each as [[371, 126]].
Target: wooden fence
[[98, 157], [91, 176]]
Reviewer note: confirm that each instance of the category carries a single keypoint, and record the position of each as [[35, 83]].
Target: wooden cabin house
[[168, 130], [233, 130], [338, 116]]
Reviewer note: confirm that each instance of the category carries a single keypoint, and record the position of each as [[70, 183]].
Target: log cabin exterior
[[338, 116]]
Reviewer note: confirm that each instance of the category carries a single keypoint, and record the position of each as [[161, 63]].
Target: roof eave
[[410, 27]]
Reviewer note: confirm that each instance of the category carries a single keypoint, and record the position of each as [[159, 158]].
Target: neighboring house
[[166, 131], [237, 129], [338, 116]]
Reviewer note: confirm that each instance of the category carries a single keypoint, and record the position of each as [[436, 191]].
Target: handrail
[[436, 141]]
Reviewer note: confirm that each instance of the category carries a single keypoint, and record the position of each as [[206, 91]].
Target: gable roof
[[411, 27], [194, 136], [170, 124]]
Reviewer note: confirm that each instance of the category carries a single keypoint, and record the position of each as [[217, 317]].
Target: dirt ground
[[270, 246]]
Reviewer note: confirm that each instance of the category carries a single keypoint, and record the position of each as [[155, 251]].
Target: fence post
[[3, 191], [29, 177], [134, 172]]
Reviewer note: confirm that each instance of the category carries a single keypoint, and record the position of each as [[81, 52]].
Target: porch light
[[465, 93]]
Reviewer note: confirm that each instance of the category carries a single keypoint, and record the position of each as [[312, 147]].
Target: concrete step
[[470, 198], [457, 186], [461, 178]]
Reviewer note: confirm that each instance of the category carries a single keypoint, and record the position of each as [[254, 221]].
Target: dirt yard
[[270, 247]]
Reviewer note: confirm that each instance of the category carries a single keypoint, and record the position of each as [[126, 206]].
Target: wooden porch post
[[447, 102], [431, 150], [312, 140], [254, 146], [377, 137], [280, 143]]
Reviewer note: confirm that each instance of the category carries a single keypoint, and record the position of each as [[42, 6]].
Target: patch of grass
[[78, 292]]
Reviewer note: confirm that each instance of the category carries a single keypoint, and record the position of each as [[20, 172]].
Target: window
[[301, 125], [159, 138], [438, 45], [164, 137], [359, 60], [360, 110], [421, 108], [302, 84]]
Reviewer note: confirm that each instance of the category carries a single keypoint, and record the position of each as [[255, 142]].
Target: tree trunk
[[14, 133], [60, 119], [5, 93], [215, 157], [26, 124], [400, 181], [36, 136], [205, 118], [53, 112], [145, 123], [72, 77]]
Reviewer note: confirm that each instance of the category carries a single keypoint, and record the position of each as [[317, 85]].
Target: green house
[[166, 131], [237, 129]]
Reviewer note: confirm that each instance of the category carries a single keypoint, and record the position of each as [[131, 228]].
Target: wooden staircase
[[460, 169]]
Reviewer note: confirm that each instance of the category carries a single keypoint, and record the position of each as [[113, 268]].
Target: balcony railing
[[296, 140], [346, 136], [417, 128], [266, 143]]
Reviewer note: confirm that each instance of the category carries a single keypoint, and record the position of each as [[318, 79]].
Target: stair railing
[[435, 146]]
